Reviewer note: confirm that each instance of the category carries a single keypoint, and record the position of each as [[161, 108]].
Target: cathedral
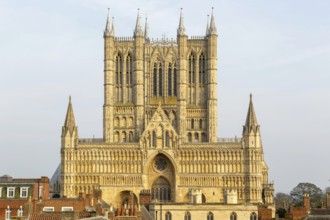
[[160, 146]]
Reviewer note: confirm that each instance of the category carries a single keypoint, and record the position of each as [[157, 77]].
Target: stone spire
[[112, 32], [181, 29], [138, 28], [251, 119], [107, 31], [70, 123], [208, 26], [213, 28], [146, 30]]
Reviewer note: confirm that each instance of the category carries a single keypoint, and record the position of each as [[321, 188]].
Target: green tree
[[315, 194]]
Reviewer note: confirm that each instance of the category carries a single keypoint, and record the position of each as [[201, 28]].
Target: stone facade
[[160, 129]]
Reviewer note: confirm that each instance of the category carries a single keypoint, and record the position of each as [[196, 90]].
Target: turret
[[251, 129], [109, 35], [138, 77], [212, 117], [182, 81], [254, 161], [69, 130]]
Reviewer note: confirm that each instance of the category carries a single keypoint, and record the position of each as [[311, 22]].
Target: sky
[[278, 50]]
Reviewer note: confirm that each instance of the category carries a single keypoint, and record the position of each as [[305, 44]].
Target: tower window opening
[[191, 69], [202, 69], [119, 69], [155, 80], [169, 80], [160, 89], [129, 70], [174, 81]]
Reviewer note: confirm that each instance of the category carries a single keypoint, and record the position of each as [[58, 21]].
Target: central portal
[[162, 179]]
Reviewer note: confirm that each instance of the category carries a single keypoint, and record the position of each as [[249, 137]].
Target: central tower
[[140, 74]]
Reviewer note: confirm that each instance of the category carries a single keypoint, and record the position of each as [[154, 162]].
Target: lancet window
[[187, 216], [174, 81], [171, 84], [233, 216], [119, 70], [129, 70], [169, 80], [168, 216], [253, 216], [191, 68], [202, 69], [210, 216], [158, 80]]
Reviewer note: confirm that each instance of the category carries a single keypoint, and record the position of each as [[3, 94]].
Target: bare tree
[[282, 200]]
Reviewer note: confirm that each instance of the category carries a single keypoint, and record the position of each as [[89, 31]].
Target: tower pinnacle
[[208, 26], [69, 123], [107, 31], [138, 28], [146, 30], [181, 29], [112, 32], [213, 28]]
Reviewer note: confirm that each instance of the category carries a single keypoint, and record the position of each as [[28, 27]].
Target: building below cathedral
[[160, 150]]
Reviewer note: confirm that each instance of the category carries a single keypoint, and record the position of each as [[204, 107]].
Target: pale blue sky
[[279, 50]]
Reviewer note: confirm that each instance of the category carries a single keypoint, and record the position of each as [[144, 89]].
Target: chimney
[[307, 202]]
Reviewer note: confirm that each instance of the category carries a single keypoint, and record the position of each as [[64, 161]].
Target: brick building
[[15, 192]]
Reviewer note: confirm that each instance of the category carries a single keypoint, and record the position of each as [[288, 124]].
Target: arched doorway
[[161, 178], [161, 190]]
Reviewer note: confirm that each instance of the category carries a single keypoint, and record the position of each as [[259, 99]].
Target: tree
[[282, 200], [315, 194]]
